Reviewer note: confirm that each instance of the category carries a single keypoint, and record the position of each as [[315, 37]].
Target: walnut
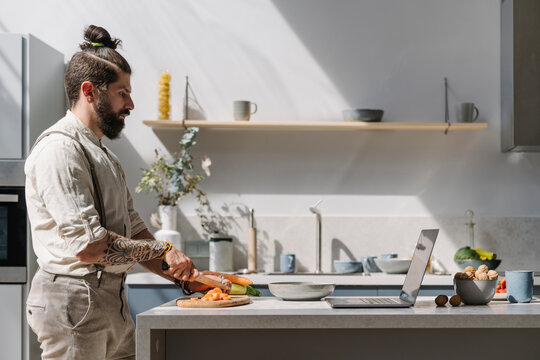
[[482, 269], [470, 269], [455, 300], [481, 276], [441, 300], [461, 276], [492, 275], [469, 275]]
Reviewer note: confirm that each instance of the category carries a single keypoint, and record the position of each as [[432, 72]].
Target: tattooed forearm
[[121, 250]]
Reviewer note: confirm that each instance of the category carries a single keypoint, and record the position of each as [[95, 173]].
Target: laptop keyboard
[[377, 300]]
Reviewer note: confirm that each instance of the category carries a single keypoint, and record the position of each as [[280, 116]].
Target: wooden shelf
[[313, 125]]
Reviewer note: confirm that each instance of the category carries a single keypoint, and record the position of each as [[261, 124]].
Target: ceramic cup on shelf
[[287, 263], [242, 110], [519, 286], [466, 112], [369, 265]]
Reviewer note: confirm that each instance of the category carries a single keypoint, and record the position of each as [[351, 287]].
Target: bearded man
[[85, 231]]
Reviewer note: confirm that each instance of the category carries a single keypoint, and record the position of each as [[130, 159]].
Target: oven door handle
[[11, 198]]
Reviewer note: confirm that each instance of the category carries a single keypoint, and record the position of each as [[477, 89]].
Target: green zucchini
[[237, 289]]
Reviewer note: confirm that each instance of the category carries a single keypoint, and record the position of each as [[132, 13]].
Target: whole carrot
[[233, 278]]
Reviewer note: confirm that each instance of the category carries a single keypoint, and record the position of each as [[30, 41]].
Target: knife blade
[[201, 279], [211, 282]]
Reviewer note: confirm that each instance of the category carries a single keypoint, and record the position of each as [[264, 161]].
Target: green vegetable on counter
[[237, 289]]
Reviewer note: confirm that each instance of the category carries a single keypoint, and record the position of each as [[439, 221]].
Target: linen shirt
[[60, 198]]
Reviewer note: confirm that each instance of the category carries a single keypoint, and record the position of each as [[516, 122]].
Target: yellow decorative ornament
[[164, 92]]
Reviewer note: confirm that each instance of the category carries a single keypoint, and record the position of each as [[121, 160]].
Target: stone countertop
[[357, 279], [274, 313]]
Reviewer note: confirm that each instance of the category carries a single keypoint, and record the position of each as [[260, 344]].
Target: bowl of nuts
[[476, 286]]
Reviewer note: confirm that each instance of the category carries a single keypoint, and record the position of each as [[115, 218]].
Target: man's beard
[[109, 122]]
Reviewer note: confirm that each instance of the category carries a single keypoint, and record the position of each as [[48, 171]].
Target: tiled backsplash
[[514, 240]]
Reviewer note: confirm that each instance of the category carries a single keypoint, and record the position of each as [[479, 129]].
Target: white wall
[[307, 60]]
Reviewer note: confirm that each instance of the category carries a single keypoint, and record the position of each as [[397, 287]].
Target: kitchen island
[[147, 290], [270, 328]]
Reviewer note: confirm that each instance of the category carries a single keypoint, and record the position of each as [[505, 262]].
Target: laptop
[[411, 286]]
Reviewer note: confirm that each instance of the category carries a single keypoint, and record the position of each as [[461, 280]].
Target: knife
[[252, 244], [201, 278]]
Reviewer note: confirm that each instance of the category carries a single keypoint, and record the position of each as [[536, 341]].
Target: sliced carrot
[[215, 295]]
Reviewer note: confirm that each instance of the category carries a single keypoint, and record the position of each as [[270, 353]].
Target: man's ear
[[89, 91]]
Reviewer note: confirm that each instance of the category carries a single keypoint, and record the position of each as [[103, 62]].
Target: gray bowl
[[394, 266], [370, 115], [475, 292], [491, 264], [300, 291], [347, 267]]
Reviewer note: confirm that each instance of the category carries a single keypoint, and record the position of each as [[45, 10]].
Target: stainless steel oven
[[13, 235]]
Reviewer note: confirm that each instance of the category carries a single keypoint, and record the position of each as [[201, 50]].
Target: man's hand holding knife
[[181, 267]]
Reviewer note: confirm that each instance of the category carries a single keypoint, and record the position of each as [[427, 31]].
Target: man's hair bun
[[97, 62], [96, 34]]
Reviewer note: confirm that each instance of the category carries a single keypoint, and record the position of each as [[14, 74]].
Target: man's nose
[[130, 105]]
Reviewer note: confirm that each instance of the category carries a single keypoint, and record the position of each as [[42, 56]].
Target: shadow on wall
[[414, 56], [339, 246], [278, 250], [3, 27], [132, 164], [316, 162]]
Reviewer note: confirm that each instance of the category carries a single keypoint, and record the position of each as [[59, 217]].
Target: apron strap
[[97, 190]]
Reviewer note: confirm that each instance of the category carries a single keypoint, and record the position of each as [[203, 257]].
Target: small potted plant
[[172, 180]]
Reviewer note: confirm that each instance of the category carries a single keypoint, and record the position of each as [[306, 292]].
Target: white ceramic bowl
[[394, 266], [300, 290], [475, 292]]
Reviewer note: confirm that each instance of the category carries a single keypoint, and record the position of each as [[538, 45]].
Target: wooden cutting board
[[236, 300]]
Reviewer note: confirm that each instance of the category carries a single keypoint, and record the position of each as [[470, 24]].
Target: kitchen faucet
[[317, 213]]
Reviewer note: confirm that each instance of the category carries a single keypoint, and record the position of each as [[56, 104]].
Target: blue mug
[[369, 265], [519, 286], [287, 263]]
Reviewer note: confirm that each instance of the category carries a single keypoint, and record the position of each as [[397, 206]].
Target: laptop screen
[[419, 262]]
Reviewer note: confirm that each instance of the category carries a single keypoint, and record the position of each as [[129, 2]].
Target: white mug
[[242, 110]]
